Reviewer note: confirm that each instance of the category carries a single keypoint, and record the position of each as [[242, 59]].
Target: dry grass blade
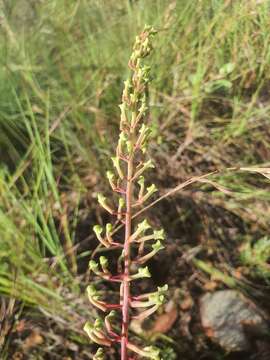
[[263, 171]]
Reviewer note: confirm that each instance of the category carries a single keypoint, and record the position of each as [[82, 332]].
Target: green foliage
[[256, 256]]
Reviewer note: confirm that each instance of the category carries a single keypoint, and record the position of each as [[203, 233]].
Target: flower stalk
[[126, 181]]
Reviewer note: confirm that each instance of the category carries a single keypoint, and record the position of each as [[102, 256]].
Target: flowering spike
[[129, 169]]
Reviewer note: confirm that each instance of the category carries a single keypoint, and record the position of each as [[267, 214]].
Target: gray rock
[[228, 317]]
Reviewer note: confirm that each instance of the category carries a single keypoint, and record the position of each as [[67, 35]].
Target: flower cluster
[[128, 182]]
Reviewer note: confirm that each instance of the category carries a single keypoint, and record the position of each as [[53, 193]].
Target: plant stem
[[126, 282]]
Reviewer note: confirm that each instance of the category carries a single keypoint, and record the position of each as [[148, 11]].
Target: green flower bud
[[103, 263], [123, 116], [110, 175], [163, 289], [99, 355], [93, 266], [133, 98], [111, 315], [143, 108], [121, 142], [143, 129], [102, 201], [121, 202], [109, 228], [127, 86], [151, 352], [88, 327], [98, 324], [141, 228], [116, 164], [129, 147], [150, 191], [158, 297], [141, 184], [157, 246], [147, 165], [98, 230], [91, 291]]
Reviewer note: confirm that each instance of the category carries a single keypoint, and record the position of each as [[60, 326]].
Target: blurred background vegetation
[[62, 69]]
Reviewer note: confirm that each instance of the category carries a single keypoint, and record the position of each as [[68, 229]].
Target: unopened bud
[[116, 164]]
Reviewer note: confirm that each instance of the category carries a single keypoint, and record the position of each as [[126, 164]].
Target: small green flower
[[159, 234], [143, 226], [157, 246], [142, 273]]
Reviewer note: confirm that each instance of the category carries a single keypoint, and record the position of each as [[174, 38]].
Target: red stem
[[126, 282]]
